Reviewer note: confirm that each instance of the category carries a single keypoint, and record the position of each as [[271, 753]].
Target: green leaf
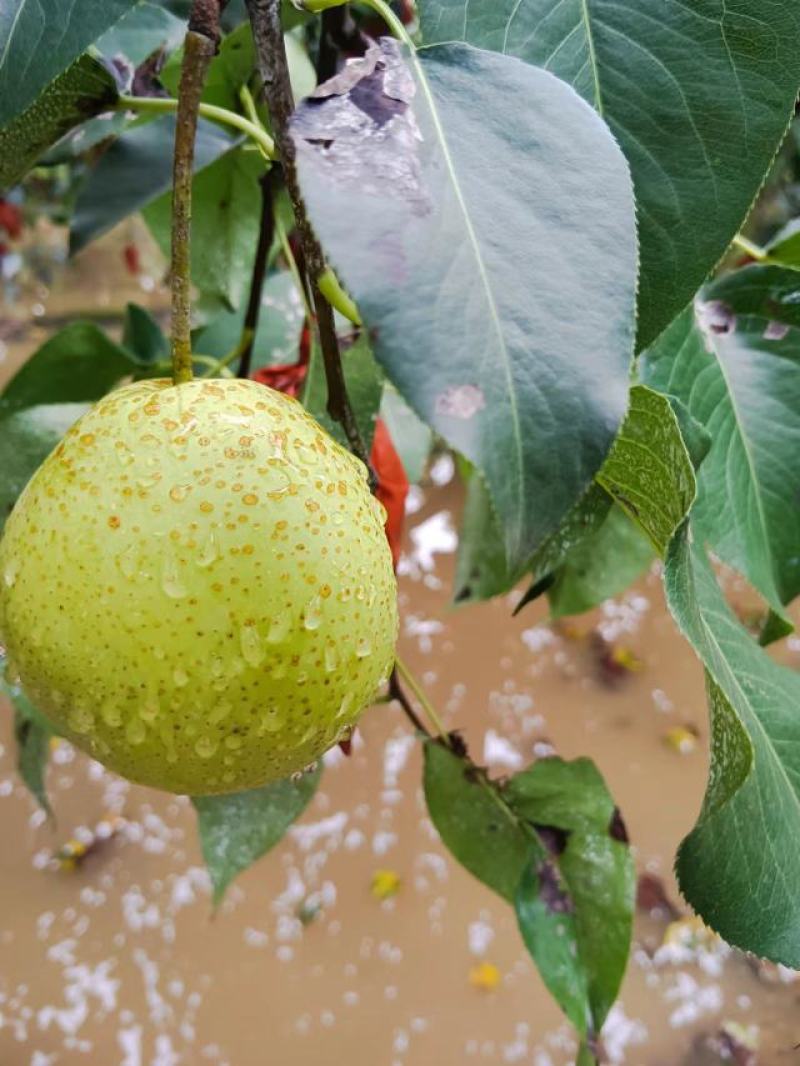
[[739, 867], [84, 90], [551, 842], [77, 364], [26, 439], [698, 95], [477, 830], [237, 830], [649, 471], [595, 864], [411, 437], [601, 566], [144, 29], [143, 336], [39, 39], [784, 248], [494, 358], [226, 209], [278, 330], [33, 751], [547, 922], [235, 65], [734, 360], [364, 387], [133, 172]]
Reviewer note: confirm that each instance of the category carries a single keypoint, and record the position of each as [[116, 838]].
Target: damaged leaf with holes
[[412, 174], [552, 843]]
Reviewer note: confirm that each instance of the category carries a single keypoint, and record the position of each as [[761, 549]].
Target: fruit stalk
[[265, 16], [266, 233], [199, 48]]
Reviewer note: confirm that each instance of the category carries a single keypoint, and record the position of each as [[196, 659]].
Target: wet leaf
[[144, 29], [551, 842], [134, 171], [235, 831], [77, 364], [26, 439], [739, 866], [411, 437], [42, 38], [734, 360], [364, 382], [84, 90], [143, 336], [601, 566], [698, 95], [226, 211], [420, 186], [649, 471], [32, 734]]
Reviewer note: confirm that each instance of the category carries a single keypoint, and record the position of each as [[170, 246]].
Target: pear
[[196, 586]]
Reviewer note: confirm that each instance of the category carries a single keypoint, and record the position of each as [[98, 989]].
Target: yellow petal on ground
[[385, 884], [485, 976], [626, 659], [681, 739]]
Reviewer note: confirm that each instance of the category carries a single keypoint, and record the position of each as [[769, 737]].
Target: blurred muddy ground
[[120, 961]]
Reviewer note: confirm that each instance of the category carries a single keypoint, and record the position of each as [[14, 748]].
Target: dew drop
[[312, 616], [126, 562], [364, 648], [220, 711], [217, 666], [171, 579], [135, 731], [346, 706], [229, 777], [361, 593], [233, 742], [252, 648], [279, 628], [337, 518], [80, 719], [278, 671], [271, 722], [206, 746], [123, 453], [209, 553], [180, 677], [10, 572], [331, 657], [178, 493], [149, 711], [111, 714]]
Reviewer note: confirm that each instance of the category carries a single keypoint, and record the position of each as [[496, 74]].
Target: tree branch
[[199, 48], [396, 692], [273, 66], [266, 233]]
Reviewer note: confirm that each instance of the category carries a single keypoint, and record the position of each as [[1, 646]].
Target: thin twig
[[266, 233], [396, 692], [265, 16], [200, 46]]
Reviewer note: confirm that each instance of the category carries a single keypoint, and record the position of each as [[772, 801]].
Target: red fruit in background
[[130, 253], [392, 485], [10, 219]]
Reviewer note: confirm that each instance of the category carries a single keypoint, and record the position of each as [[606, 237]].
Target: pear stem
[[199, 48]]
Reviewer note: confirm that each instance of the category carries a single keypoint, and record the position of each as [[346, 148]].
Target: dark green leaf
[[739, 867], [603, 564], [734, 361], [485, 838], [784, 248], [26, 439], [84, 90], [411, 437], [135, 170], [226, 210], [143, 336], [699, 96], [481, 568], [33, 752], [595, 864], [364, 387], [237, 830], [39, 39], [495, 359], [649, 471], [77, 364], [551, 842], [144, 29], [547, 922], [695, 436], [279, 325]]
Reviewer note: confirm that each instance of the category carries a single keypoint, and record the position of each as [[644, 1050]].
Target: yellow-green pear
[[196, 586]]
